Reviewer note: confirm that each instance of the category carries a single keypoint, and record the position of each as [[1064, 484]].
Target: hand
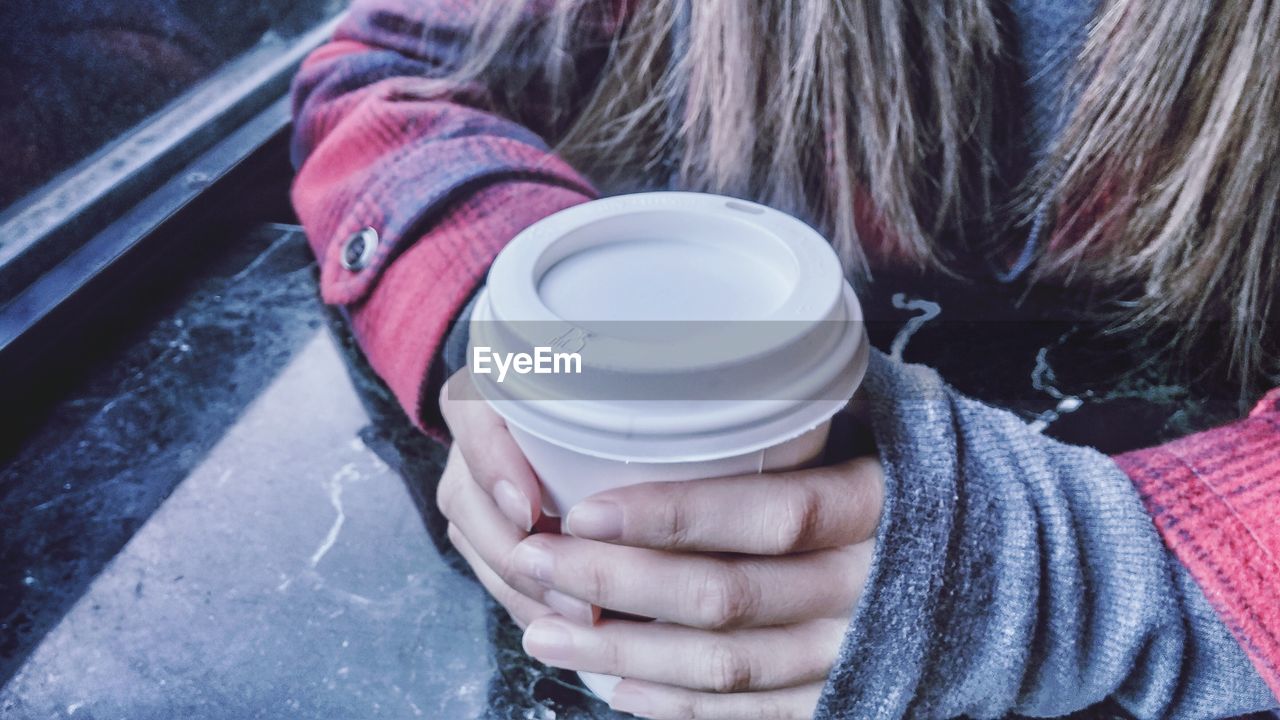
[[751, 580], [490, 496]]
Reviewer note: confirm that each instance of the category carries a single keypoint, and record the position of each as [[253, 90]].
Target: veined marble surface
[[229, 521]]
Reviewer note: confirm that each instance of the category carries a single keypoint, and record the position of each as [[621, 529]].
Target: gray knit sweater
[[1016, 574]]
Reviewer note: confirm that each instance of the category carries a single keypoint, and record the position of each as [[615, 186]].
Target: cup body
[[715, 338], [569, 477]]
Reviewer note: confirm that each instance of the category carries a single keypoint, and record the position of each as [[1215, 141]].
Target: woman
[[987, 570]]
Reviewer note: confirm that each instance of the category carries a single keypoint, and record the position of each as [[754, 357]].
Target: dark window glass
[[77, 74]]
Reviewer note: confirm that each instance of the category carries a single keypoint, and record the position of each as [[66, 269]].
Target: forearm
[[388, 145], [1015, 574]]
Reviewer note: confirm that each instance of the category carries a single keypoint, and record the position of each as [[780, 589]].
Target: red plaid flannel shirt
[[446, 182]]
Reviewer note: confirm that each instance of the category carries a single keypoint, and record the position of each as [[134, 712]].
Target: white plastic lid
[[706, 327]]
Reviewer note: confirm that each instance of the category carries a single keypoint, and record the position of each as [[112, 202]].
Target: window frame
[[104, 216]]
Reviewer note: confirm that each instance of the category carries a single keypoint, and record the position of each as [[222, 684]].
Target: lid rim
[[768, 434], [820, 361]]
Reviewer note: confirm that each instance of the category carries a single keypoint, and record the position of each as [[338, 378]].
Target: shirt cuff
[[403, 321], [1214, 498]]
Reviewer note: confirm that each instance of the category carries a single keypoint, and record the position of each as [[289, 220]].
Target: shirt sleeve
[[408, 184], [1017, 574], [1215, 498]]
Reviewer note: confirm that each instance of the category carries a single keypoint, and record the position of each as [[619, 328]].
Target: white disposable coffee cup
[[715, 337]]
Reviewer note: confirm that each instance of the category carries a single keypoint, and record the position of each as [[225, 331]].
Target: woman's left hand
[[751, 581]]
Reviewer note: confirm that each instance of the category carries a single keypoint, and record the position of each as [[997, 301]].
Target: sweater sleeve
[[1215, 498], [1015, 574], [409, 184]]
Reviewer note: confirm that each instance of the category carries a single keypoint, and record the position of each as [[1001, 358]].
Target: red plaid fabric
[[446, 181], [1215, 497]]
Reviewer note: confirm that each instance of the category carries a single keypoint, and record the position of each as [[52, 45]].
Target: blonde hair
[[1168, 170], [881, 116]]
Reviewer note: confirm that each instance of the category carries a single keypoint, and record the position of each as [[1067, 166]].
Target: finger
[[735, 661], [476, 517], [522, 609], [663, 702], [768, 514], [696, 589], [495, 461]]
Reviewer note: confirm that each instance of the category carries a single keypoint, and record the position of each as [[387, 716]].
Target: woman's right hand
[[491, 498]]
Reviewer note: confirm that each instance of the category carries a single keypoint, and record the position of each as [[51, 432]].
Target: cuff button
[[358, 250]]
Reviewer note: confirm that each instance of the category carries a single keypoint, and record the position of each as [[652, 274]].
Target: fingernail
[[513, 504], [550, 641], [570, 607], [628, 698], [534, 561], [595, 520]]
